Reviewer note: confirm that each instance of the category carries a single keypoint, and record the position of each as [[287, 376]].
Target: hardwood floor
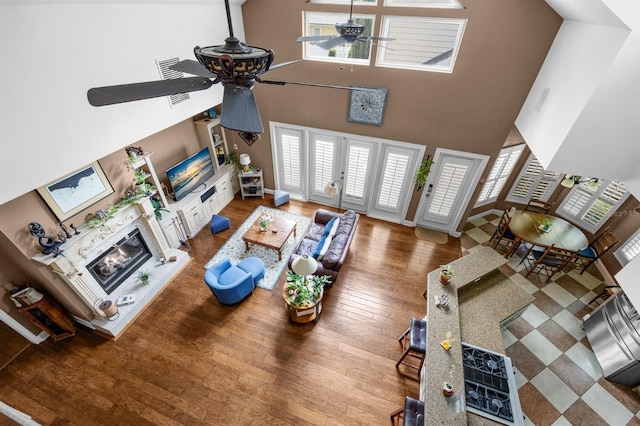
[[189, 360]]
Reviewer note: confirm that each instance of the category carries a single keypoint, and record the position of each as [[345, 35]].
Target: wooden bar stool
[[412, 413], [414, 344]]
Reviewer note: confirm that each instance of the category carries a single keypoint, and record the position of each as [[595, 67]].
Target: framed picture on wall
[[367, 105], [76, 191]]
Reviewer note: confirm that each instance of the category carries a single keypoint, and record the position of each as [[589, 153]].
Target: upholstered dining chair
[[503, 234], [548, 262], [414, 344], [412, 413], [598, 247], [538, 206]]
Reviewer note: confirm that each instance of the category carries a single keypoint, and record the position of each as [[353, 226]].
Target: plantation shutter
[[323, 164], [629, 249], [589, 207], [533, 182], [356, 173], [499, 174], [393, 178], [289, 164], [447, 188]]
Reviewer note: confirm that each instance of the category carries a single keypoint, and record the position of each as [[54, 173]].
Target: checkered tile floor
[[559, 379]]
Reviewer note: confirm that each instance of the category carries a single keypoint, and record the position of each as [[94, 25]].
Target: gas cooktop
[[490, 386]]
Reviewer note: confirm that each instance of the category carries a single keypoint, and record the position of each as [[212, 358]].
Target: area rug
[[431, 235], [234, 248]]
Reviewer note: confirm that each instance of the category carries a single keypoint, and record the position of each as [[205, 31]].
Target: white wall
[[53, 53], [588, 124]]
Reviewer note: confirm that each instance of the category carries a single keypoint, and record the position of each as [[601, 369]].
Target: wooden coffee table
[[269, 239]]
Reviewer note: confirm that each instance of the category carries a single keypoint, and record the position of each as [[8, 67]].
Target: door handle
[[429, 188]]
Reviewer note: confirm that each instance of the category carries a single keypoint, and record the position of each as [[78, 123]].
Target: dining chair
[[504, 234], [538, 206], [548, 262], [598, 247]]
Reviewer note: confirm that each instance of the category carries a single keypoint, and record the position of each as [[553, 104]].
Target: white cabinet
[[211, 134], [193, 217], [196, 209]]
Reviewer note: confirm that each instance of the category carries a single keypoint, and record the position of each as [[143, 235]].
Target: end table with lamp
[[303, 291], [250, 178]]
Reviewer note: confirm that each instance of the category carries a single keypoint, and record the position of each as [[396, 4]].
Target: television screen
[[189, 174]]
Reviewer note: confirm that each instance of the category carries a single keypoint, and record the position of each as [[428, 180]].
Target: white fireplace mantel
[[79, 250]]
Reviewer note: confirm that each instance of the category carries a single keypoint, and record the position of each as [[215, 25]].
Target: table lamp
[[245, 161], [304, 265]]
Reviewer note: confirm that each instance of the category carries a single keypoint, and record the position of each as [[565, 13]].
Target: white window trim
[[577, 218], [631, 242], [442, 4], [384, 28], [503, 171], [337, 18]]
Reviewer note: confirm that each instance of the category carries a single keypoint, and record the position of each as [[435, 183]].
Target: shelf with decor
[[145, 173], [211, 133], [251, 183]]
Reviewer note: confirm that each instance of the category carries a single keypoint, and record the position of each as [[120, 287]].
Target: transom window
[[359, 2], [420, 43], [438, 4], [323, 24]]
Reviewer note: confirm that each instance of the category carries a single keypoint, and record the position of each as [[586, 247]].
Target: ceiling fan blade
[[192, 67], [239, 110], [330, 86], [315, 38], [109, 95], [284, 64], [330, 44]]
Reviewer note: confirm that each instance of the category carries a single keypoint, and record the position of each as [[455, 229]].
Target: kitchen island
[[482, 300]]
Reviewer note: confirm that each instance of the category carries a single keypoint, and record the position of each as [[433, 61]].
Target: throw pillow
[[328, 226], [334, 228], [325, 248], [316, 251]]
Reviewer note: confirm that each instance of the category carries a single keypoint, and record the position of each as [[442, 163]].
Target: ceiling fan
[[350, 32], [237, 66]]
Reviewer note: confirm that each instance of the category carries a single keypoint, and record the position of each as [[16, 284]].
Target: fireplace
[[123, 258]]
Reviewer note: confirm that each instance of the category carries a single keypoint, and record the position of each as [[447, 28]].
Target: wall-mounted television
[[190, 173]]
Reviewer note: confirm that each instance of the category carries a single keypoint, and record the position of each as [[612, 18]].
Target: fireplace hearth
[[114, 266]]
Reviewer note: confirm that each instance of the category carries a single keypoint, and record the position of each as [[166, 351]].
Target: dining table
[[526, 226]]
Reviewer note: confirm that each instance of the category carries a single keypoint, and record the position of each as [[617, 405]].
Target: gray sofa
[[329, 262]]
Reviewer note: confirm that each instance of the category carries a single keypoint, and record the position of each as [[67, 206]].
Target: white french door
[[394, 182], [376, 175], [450, 184], [289, 160]]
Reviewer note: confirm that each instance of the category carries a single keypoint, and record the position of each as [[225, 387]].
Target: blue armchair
[[228, 283]]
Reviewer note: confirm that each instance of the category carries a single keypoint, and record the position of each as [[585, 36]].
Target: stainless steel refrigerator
[[613, 331]]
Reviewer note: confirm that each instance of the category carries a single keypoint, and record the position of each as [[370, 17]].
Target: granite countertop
[[481, 298]]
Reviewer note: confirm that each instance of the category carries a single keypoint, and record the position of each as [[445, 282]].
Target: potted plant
[[264, 223], [544, 224], [143, 277], [305, 291], [446, 273], [423, 172]]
